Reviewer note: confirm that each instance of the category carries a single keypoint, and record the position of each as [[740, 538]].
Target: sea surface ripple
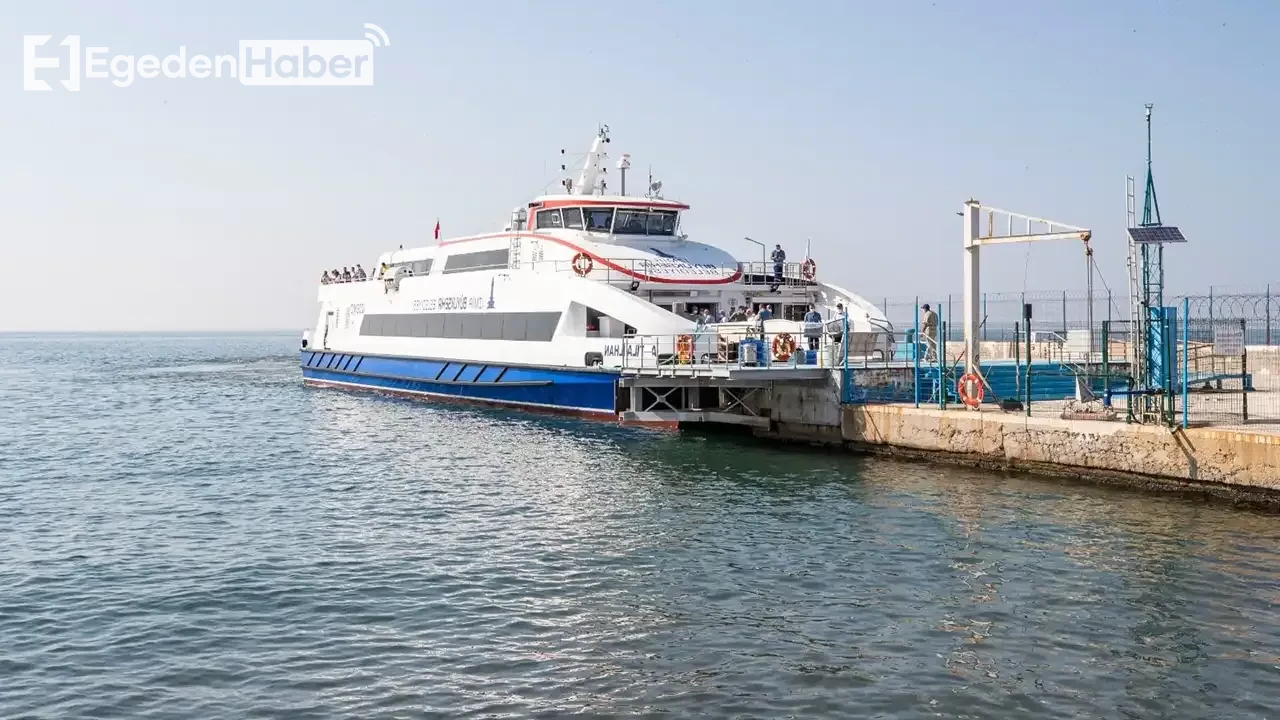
[[187, 532]]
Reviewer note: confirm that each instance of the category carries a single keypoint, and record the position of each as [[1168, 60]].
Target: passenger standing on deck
[[324, 278], [929, 328], [779, 257], [838, 322], [813, 328], [766, 313]]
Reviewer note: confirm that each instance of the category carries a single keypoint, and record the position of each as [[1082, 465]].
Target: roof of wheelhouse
[[547, 202]]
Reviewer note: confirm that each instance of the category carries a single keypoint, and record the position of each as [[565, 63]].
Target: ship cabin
[[618, 217]]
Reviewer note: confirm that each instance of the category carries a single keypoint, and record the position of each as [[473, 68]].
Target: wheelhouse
[[652, 219]]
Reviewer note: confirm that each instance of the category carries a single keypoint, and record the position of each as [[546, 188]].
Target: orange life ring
[[684, 349], [783, 347], [582, 264], [969, 388], [808, 269]]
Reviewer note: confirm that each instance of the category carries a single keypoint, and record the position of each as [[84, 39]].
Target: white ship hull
[[550, 313]]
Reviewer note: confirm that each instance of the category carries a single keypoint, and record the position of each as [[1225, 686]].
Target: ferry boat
[[549, 313]]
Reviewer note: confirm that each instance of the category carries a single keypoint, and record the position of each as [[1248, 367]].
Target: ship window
[[491, 326], [421, 267], [513, 326], [572, 218], [548, 219], [452, 326], [472, 326], [599, 219], [662, 223], [518, 326], [629, 222], [541, 326], [483, 260]]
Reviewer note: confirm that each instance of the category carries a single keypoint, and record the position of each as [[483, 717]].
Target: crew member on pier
[[929, 328]]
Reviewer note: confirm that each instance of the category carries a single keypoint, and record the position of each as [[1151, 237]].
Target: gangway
[[694, 377]]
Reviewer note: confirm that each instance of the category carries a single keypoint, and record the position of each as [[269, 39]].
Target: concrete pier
[[1232, 463]]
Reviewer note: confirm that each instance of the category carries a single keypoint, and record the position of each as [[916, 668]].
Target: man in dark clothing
[[813, 327], [779, 257]]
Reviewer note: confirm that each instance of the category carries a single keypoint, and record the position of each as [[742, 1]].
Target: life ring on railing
[[582, 264], [783, 347], [684, 349], [808, 269], [969, 388]]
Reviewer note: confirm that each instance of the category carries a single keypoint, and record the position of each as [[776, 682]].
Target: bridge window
[[516, 326], [572, 218], [629, 222], [662, 223], [599, 219], [548, 219], [642, 222], [483, 260]]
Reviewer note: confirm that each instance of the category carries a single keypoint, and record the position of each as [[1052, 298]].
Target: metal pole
[[1089, 310], [1244, 374], [948, 311], [942, 376], [1064, 314], [1028, 322], [915, 353], [1186, 340], [972, 284], [1017, 360], [984, 316], [844, 333], [1268, 313], [1106, 363]]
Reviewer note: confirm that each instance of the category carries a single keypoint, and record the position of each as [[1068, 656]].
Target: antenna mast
[[1154, 353]]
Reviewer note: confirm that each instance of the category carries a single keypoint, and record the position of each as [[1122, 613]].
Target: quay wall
[[1204, 459]]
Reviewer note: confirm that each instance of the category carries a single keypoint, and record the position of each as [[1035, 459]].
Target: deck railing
[[745, 345]]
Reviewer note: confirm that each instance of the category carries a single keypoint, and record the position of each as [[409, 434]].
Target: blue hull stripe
[[544, 387]]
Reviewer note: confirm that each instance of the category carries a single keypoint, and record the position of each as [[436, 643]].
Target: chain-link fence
[[1060, 311], [1215, 361]]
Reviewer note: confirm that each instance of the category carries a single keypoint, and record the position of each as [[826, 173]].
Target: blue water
[[186, 532]]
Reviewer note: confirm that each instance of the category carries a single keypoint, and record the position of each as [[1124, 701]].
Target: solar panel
[[1156, 235]]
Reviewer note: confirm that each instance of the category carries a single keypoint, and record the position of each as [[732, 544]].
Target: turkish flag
[[437, 228]]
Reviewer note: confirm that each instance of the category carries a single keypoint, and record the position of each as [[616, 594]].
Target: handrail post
[[1106, 363], [915, 353], [1244, 372], [941, 352], [1186, 341]]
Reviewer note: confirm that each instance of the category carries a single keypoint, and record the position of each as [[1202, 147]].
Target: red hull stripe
[[607, 263]]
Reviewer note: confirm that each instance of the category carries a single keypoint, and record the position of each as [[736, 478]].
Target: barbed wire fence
[[1228, 382], [1060, 311]]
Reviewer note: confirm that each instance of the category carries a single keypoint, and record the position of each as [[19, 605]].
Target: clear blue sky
[[205, 204]]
